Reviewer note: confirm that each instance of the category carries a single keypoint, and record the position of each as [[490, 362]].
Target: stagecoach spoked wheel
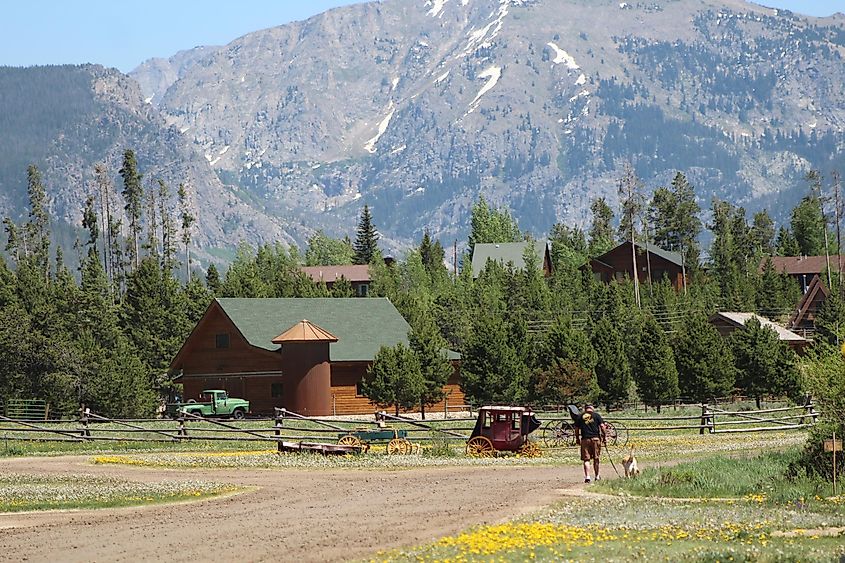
[[350, 440], [558, 434], [530, 449], [479, 446], [399, 446], [616, 434]]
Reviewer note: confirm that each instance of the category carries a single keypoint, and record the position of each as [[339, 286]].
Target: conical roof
[[305, 331]]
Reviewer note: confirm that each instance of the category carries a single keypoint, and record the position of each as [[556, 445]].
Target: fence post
[[277, 426], [445, 407], [706, 417], [809, 408], [183, 431], [83, 420]]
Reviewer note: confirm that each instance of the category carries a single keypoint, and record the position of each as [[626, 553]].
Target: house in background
[[803, 268], [803, 319], [727, 322], [618, 263], [510, 253], [264, 350], [357, 275]]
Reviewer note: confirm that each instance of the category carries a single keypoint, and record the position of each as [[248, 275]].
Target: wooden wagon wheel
[[479, 446], [399, 446], [350, 440], [530, 449]]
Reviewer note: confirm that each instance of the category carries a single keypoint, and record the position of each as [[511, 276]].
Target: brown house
[[803, 268], [803, 319], [727, 322], [357, 275], [618, 263], [264, 351]]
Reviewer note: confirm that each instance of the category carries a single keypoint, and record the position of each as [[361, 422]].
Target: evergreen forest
[[104, 335]]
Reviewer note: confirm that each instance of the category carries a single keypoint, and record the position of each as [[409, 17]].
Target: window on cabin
[[362, 290], [221, 340], [359, 389], [276, 390]]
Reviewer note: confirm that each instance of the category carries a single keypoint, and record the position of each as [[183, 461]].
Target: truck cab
[[215, 402]]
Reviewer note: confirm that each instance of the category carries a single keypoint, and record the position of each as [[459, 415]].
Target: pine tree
[[212, 280], [366, 241], [38, 228], [492, 371], [168, 229], [569, 247], [325, 251], [132, 196], [187, 224], [787, 244], [395, 378], [430, 349], [490, 224], [763, 233], [601, 229], [654, 365], [764, 363], [704, 360], [613, 370]]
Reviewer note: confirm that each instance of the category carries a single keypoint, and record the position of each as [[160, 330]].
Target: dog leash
[[610, 457]]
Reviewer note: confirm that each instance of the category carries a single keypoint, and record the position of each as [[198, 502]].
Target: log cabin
[[306, 355], [618, 264]]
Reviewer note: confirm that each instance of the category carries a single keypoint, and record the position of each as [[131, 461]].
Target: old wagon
[[503, 429], [397, 440]]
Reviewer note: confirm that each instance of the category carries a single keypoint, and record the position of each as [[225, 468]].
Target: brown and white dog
[[629, 462]]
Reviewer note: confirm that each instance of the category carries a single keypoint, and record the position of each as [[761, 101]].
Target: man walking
[[589, 431]]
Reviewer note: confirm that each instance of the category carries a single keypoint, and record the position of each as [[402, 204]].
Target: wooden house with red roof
[[264, 350], [804, 268], [357, 275]]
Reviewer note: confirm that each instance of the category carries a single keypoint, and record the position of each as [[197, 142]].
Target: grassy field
[[717, 509], [20, 492]]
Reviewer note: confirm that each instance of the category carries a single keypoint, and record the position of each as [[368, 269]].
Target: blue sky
[[123, 34]]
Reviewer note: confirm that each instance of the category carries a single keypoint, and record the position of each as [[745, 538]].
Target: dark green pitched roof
[[674, 257], [504, 252], [362, 325]]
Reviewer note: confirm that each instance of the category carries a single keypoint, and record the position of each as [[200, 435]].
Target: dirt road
[[291, 516]]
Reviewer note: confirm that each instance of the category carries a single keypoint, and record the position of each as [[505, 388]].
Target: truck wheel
[[239, 414]]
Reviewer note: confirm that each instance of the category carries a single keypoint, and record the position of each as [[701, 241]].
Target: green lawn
[[20, 492]]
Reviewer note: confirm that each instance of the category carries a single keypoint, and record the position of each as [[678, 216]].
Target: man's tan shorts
[[590, 449]]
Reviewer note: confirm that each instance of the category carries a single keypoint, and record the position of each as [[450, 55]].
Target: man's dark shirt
[[589, 424]]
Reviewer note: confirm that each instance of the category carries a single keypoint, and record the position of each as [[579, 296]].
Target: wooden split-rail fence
[[290, 431]]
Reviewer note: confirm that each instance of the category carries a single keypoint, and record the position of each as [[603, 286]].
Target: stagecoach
[[503, 429]]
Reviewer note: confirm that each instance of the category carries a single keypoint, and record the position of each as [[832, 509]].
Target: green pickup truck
[[212, 403]]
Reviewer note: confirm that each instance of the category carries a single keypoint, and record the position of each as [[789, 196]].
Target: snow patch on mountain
[[493, 74], [562, 57], [370, 145], [436, 7]]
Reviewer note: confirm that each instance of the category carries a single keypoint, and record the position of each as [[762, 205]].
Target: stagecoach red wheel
[[479, 446]]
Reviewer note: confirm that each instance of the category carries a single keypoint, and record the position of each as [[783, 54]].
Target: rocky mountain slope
[[64, 119], [418, 106]]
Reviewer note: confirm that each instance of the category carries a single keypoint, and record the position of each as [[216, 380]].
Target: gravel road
[[289, 515]]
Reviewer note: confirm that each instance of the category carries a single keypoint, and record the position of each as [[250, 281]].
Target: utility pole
[[838, 212]]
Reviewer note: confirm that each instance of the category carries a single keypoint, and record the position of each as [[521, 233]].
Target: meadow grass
[[769, 518], [24, 492]]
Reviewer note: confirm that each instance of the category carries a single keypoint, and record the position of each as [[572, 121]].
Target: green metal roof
[[674, 257], [505, 252], [362, 325]]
